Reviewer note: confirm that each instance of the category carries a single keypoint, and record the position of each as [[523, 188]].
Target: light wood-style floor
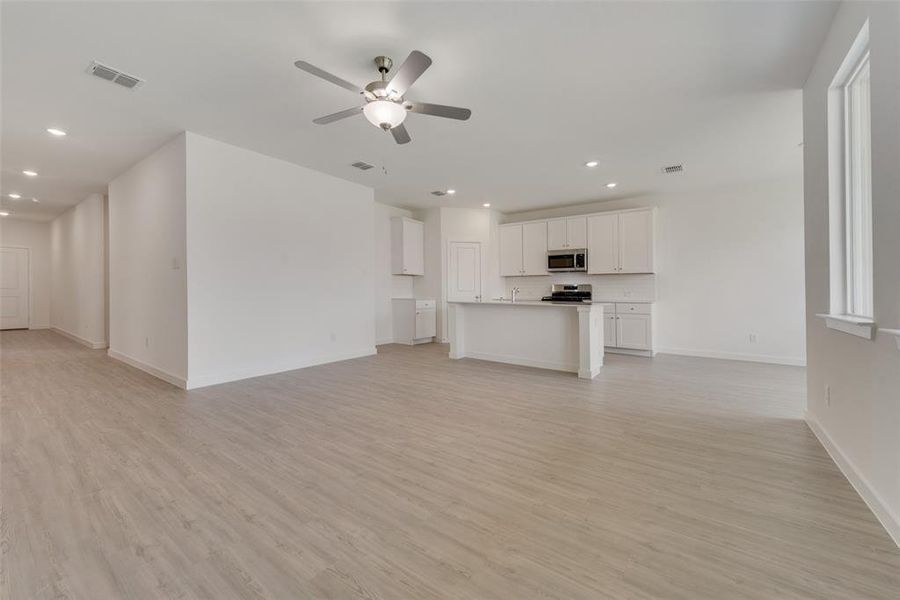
[[411, 476]]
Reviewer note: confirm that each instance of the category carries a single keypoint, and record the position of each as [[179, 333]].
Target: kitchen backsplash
[[616, 288]]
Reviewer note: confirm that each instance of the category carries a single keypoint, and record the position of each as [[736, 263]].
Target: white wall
[[280, 265], [35, 236], [387, 286], [729, 263], [442, 226], [147, 275], [78, 259], [861, 427]]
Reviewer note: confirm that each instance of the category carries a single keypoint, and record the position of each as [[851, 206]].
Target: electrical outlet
[[827, 395], [752, 338]]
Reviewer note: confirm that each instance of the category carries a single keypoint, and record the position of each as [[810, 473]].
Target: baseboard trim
[[520, 361], [880, 508], [159, 373], [630, 352], [78, 338], [261, 370], [384, 341], [759, 358]]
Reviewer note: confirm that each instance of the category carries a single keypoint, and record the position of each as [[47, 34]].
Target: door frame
[[446, 290], [29, 285]]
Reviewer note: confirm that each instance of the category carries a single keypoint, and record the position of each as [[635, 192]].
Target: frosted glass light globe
[[384, 114]]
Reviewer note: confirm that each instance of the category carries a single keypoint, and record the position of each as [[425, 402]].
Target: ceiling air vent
[[672, 169], [114, 75], [438, 193], [362, 166]]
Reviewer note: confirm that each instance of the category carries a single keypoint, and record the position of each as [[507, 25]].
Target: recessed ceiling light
[[611, 185], [15, 196], [56, 132], [591, 164], [451, 192], [4, 213], [35, 200], [486, 205], [30, 173]]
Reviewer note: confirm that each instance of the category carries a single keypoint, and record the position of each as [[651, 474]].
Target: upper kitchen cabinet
[[511, 251], [407, 246], [636, 242], [565, 233], [534, 248], [523, 249], [621, 242]]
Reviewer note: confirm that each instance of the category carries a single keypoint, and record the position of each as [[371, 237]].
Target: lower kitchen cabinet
[[628, 328], [414, 321], [633, 332]]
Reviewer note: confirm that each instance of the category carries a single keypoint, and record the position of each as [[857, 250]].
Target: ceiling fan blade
[[439, 110], [338, 116], [401, 136], [314, 70], [411, 69]]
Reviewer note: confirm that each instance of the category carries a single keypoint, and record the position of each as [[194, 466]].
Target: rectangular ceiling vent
[[438, 193], [362, 166], [672, 169], [114, 75]]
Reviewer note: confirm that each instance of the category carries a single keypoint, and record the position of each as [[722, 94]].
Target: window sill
[[864, 328], [893, 332]]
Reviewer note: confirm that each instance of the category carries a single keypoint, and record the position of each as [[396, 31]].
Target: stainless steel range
[[567, 292]]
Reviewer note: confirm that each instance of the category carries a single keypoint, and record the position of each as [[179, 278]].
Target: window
[[850, 186]]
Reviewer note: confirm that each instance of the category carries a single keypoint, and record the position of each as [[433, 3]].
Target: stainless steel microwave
[[567, 261]]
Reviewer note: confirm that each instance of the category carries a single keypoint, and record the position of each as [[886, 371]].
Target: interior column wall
[[78, 260]]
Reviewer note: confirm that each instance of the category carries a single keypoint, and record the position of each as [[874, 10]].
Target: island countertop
[[524, 303]]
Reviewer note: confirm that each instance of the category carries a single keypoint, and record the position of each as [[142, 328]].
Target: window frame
[[850, 235]]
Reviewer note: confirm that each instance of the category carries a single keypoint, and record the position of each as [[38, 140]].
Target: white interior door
[[14, 301], [465, 272]]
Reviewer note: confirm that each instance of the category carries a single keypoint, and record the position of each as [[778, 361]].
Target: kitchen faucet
[[514, 292]]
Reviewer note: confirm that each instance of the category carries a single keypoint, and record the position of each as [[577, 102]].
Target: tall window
[[850, 149]]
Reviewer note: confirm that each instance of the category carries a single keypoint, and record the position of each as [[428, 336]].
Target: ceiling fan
[[385, 105]]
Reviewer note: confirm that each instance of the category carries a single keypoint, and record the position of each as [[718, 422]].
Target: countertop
[[526, 303], [543, 303]]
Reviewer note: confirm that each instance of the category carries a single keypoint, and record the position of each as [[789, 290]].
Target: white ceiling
[[635, 85]]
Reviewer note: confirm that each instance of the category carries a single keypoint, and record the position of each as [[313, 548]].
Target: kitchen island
[[564, 336]]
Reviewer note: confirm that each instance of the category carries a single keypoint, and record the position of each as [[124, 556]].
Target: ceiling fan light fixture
[[384, 114]]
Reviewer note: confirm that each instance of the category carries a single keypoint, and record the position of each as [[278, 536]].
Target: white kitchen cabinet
[[576, 232], [414, 321], [511, 251], [407, 246], [534, 248], [566, 233], [557, 235], [633, 331], [609, 330], [628, 328], [636, 242], [620, 242], [603, 244]]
